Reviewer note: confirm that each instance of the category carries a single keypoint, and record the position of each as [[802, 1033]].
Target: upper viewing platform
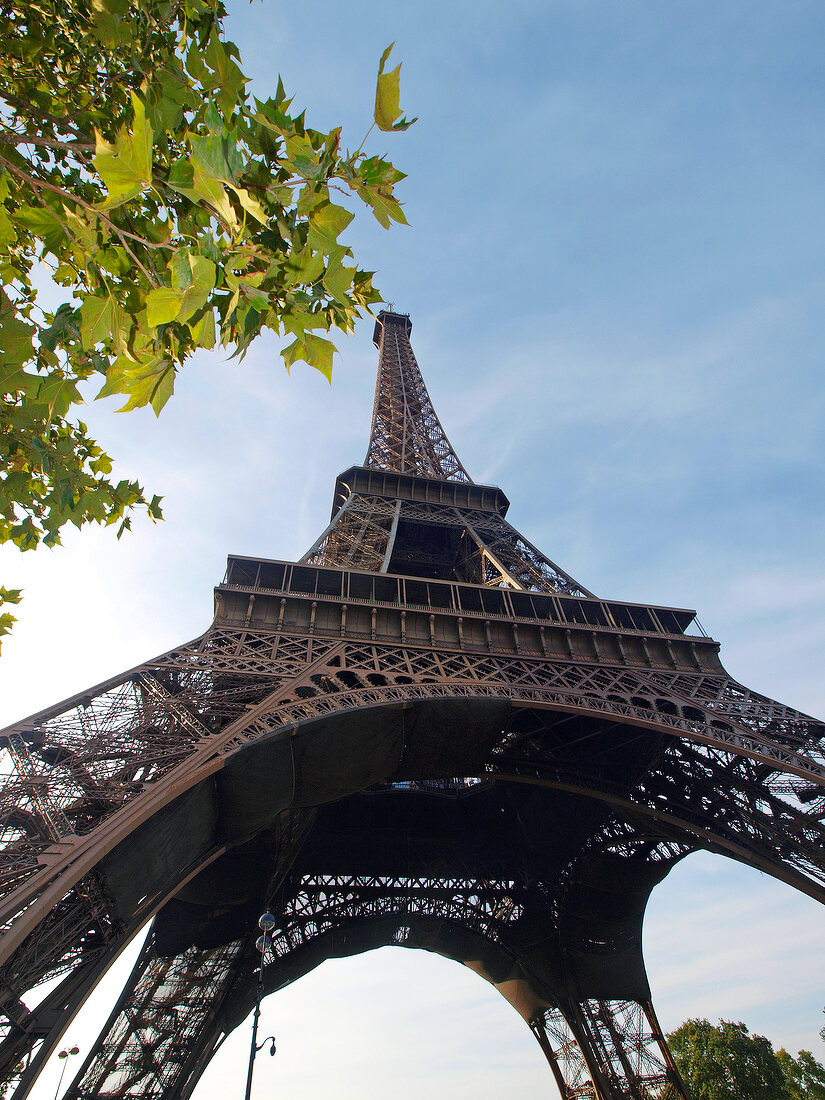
[[397, 486]]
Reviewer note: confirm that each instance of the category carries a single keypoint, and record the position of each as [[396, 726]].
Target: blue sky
[[615, 270]]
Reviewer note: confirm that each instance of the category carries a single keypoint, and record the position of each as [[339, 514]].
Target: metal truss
[[169, 1019], [138, 738], [156, 1034], [322, 915], [483, 547], [406, 434], [760, 812], [323, 903], [422, 620], [563, 1052], [601, 1050]]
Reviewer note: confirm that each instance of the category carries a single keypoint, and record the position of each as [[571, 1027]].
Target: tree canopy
[[725, 1062], [804, 1075], [175, 210]]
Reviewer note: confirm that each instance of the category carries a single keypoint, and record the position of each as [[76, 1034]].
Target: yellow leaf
[[388, 96]]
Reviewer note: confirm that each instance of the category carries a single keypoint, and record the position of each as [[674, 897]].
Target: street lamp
[[266, 922], [64, 1056]]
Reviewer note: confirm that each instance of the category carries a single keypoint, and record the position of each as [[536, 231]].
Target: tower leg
[[564, 1055], [609, 1050], [631, 1050], [33, 1038], [164, 1027]]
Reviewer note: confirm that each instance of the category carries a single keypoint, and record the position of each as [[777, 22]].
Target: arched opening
[[392, 1022], [722, 940]]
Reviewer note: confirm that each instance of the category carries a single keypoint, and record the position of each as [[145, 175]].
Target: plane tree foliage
[[725, 1062], [175, 210], [804, 1075]]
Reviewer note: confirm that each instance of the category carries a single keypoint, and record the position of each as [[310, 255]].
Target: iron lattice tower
[[424, 733]]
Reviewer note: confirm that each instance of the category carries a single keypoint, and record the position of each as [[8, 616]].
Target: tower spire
[[412, 508], [406, 434]]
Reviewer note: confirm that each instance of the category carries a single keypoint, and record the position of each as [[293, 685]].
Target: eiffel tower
[[424, 734]]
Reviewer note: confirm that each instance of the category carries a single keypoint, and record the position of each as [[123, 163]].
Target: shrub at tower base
[[726, 1062], [177, 211]]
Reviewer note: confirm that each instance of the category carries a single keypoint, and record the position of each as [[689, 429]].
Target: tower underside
[[424, 734]]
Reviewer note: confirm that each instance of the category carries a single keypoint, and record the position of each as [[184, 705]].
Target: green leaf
[[65, 275], [82, 226], [202, 282], [63, 327], [126, 165], [303, 160], [173, 94], [102, 321], [115, 260], [298, 322], [201, 177], [162, 305], [109, 29], [251, 205], [388, 97], [44, 224], [203, 330], [230, 80], [147, 382], [15, 336], [113, 7], [257, 299], [326, 222], [375, 171], [7, 234], [232, 194], [314, 350], [7, 621], [212, 154], [163, 388], [181, 269], [305, 267], [386, 208], [58, 393], [338, 280], [194, 62]]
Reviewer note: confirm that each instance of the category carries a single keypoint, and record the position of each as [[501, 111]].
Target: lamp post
[[266, 923], [64, 1056]]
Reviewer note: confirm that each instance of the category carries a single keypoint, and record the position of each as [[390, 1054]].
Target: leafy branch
[[178, 212]]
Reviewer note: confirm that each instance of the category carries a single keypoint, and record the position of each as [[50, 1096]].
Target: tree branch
[[29, 109], [122, 234], [12, 138]]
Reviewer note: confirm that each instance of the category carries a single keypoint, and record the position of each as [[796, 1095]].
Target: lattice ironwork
[[406, 433], [628, 1045], [158, 1023], [564, 1054], [477, 547], [606, 1049], [320, 903], [425, 734]]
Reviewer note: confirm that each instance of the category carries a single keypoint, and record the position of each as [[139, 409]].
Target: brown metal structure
[[425, 733]]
